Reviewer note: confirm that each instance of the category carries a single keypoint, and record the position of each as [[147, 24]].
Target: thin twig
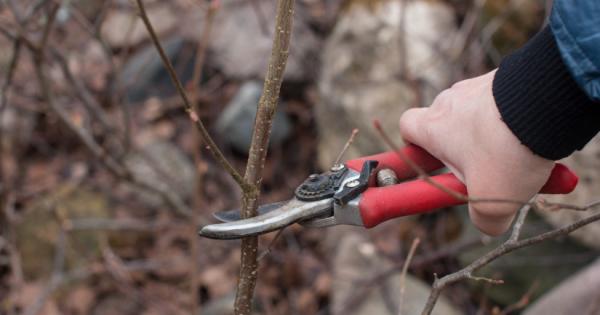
[[81, 273], [209, 17], [189, 108], [6, 196], [83, 93], [270, 247], [363, 286], [506, 247], [402, 42], [463, 37], [522, 302], [49, 25], [194, 87], [346, 146], [113, 165], [263, 24], [407, 262], [9, 75], [518, 227], [12, 36]]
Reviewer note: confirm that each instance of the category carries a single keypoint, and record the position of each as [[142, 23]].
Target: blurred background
[[104, 180]]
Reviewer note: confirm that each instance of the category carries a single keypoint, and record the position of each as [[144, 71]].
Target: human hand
[[463, 129]]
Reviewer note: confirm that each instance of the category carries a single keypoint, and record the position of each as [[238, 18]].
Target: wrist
[[541, 103]]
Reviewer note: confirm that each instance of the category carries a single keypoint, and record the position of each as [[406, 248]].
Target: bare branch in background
[[513, 243], [195, 89], [346, 146], [407, 262], [112, 164], [188, 106], [209, 17]]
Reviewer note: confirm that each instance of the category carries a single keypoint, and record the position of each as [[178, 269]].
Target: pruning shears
[[366, 192]]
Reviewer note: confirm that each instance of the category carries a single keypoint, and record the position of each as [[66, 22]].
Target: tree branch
[[510, 245], [258, 150], [189, 108]]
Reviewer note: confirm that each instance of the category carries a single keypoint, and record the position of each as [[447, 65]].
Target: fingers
[[489, 222], [463, 129], [429, 129], [498, 193], [489, 216]]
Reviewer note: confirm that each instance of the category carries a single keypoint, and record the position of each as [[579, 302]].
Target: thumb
[[412, 127], [418, 127]]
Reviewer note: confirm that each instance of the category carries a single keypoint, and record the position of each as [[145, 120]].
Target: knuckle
[[442, 105], [409, 122], [461, 84], [488, 220], [444, 100], [443, 97]]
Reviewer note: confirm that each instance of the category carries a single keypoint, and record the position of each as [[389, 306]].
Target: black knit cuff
[[540, 101]]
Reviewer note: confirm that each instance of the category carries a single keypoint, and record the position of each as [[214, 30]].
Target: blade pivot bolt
[[352, 184], [337, 167]]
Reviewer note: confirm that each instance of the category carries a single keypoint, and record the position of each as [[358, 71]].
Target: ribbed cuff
[[541, 103]]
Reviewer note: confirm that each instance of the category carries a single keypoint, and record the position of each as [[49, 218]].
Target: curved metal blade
[[235, 215], [293, 211], [319, 222]]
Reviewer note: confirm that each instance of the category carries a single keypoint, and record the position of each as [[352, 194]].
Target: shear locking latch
[[354, 188]]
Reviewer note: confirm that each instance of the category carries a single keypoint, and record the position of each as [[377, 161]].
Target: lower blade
[[291, 212], [235, 215]]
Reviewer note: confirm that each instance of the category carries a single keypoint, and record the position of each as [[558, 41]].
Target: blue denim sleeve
[[576, 27]]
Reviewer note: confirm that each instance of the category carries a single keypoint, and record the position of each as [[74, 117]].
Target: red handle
[[393, 160], [379, 204]]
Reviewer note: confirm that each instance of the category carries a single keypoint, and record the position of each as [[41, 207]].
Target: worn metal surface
[[274, 216], [293, 211], [235, 215]]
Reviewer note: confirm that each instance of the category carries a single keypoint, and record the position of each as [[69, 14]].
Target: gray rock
[[162, 164], [239, 48], [578, 294], [356, 260], [241, 41], [586, 164], [221, 306], [361, 78], [236, 122], [144, 74]]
